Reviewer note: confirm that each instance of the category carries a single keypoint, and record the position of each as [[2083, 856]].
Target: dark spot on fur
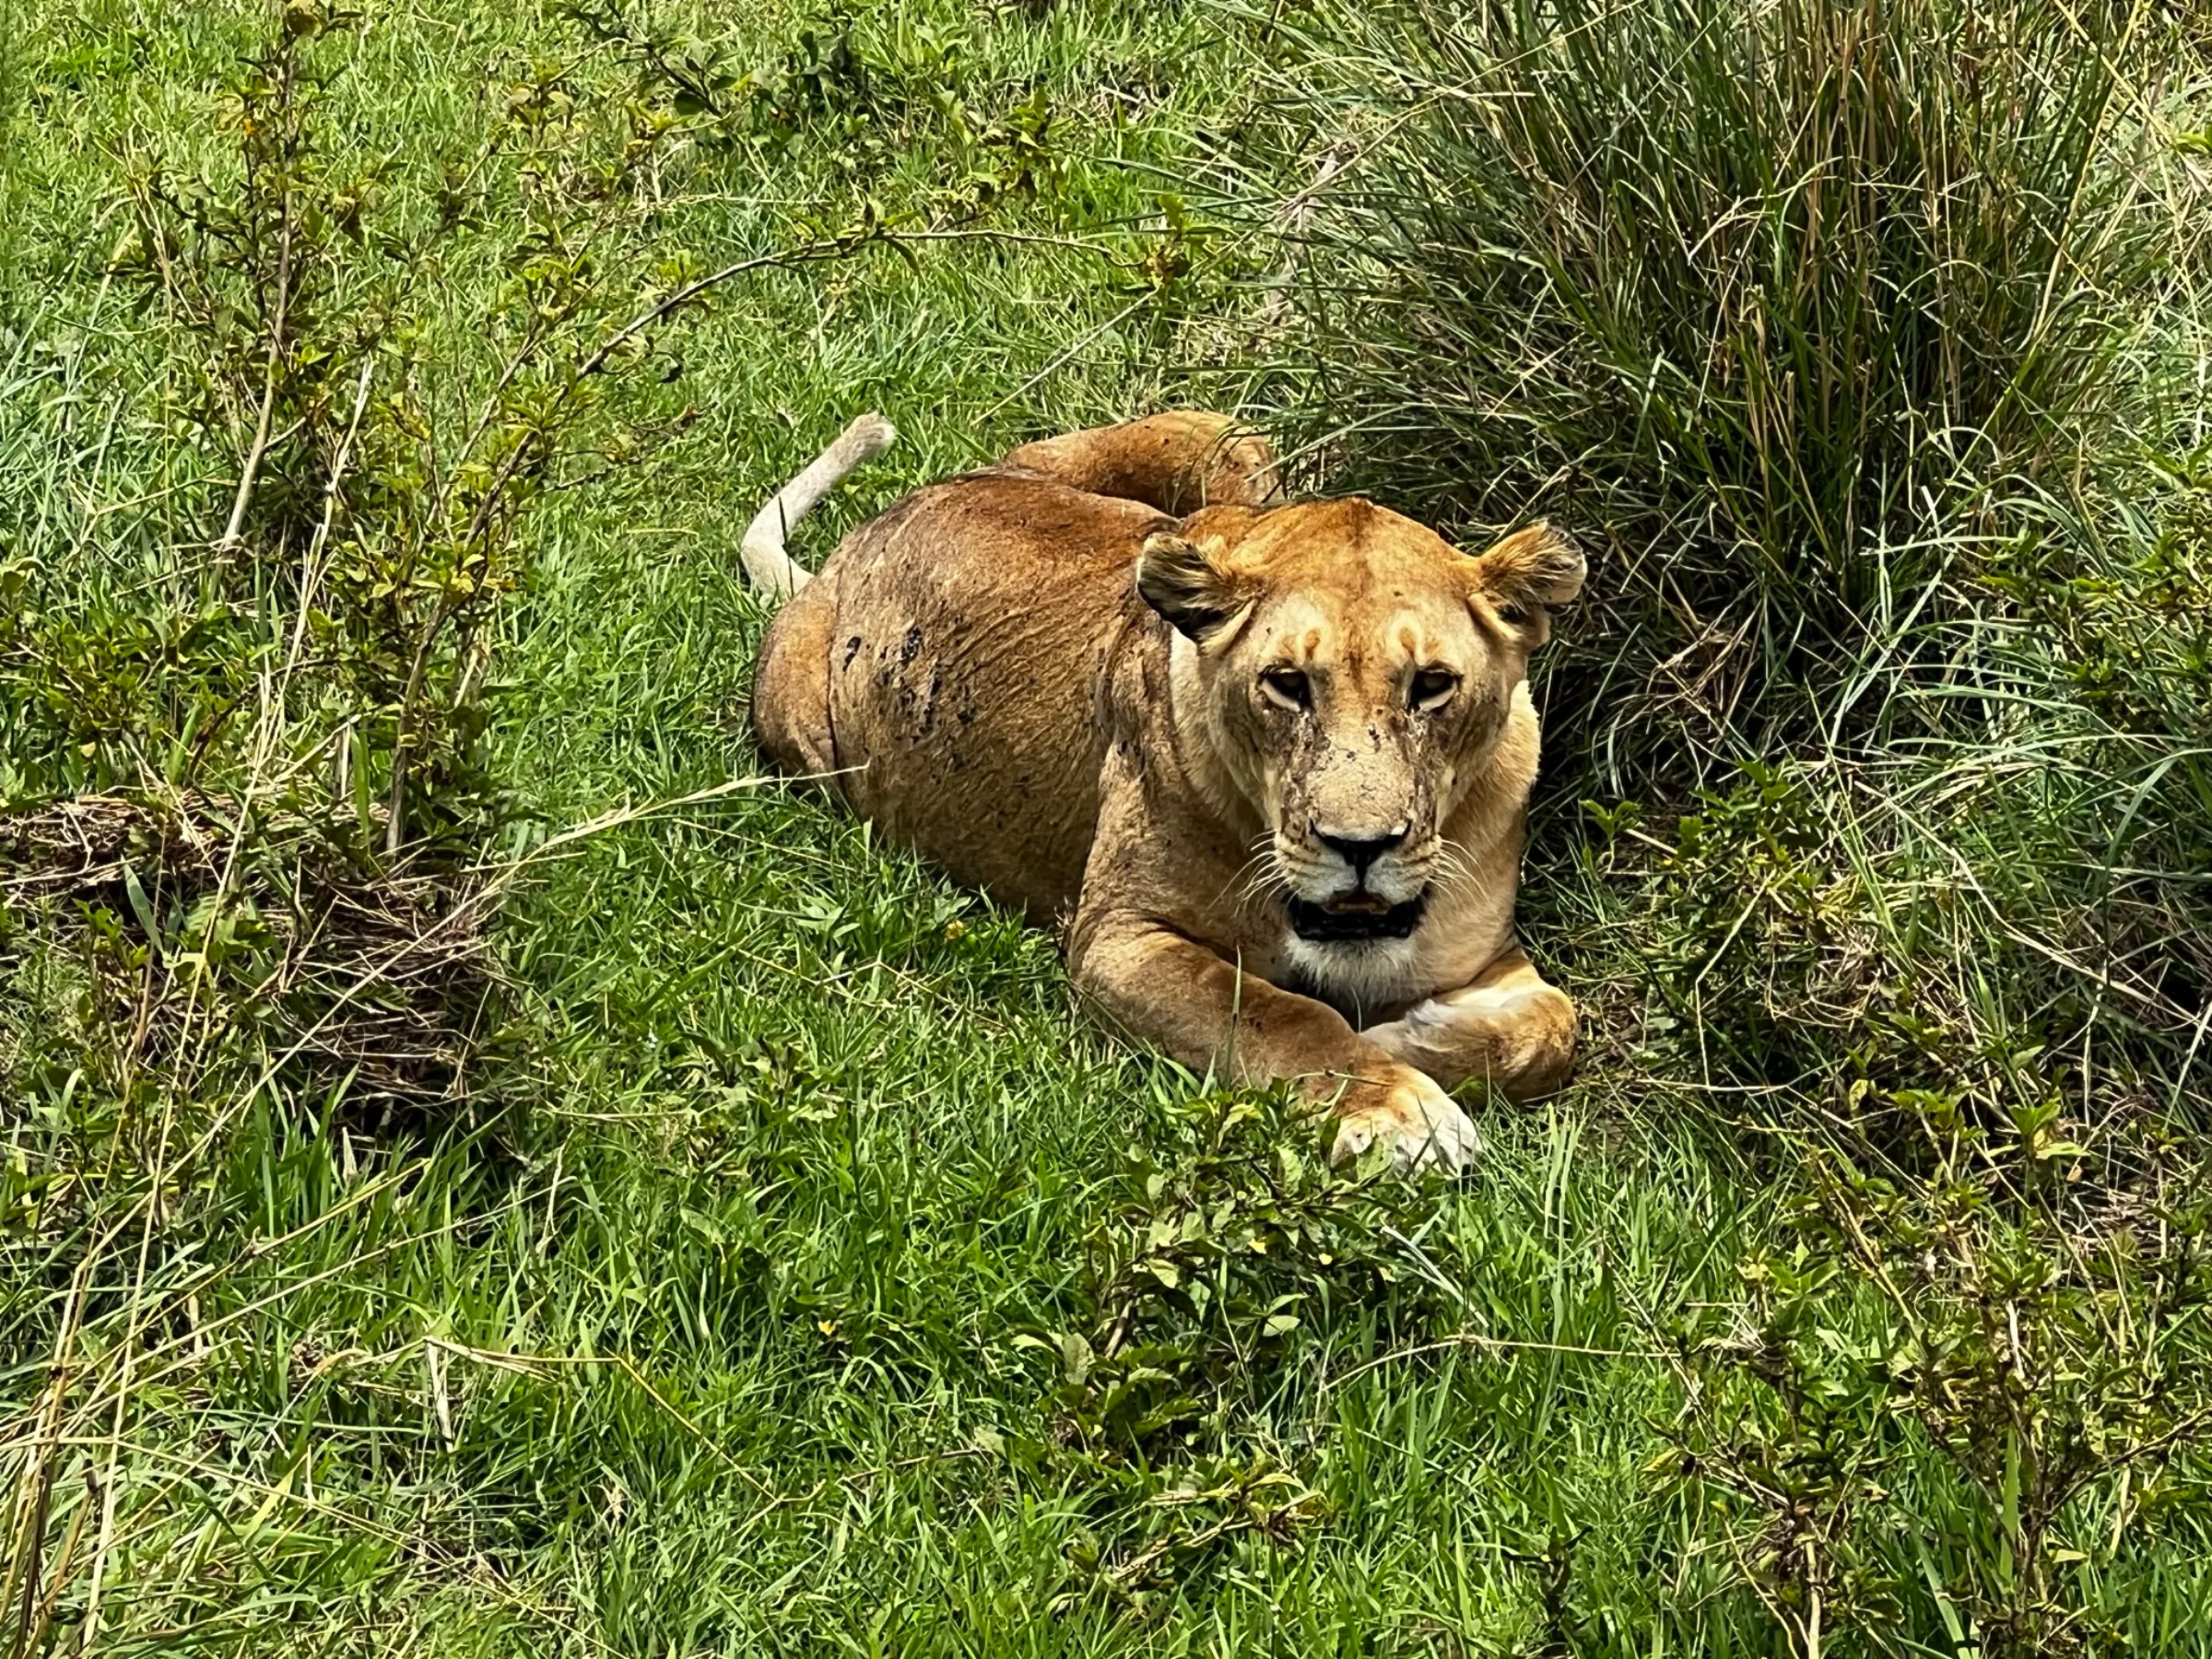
[[852, 650], [929, 700], [912, 647]]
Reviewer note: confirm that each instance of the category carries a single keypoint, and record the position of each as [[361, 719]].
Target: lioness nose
[[1360, 851]]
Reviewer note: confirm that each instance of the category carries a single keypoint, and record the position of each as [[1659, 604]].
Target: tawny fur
[[1053, 677]]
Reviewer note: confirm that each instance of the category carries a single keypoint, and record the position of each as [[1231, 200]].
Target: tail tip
[[870, 434]]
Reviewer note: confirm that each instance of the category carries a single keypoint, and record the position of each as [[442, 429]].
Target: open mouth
[[1357, 916]]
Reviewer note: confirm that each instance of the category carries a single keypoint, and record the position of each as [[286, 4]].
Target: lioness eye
[[1433, 689], [1287, 686]]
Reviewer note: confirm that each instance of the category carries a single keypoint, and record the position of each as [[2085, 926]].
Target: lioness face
[[1355, 670]]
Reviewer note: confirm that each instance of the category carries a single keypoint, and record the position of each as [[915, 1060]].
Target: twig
[[330, 507], [1474, 1339], [396, 805], [252, 470]]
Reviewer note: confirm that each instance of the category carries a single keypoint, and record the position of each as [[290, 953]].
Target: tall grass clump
[[1784, 296]]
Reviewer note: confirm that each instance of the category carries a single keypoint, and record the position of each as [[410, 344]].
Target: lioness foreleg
[[1509, 1029], [1211, 1015]]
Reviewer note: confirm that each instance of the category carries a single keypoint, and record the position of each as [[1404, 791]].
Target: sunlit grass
[[729, 1311]]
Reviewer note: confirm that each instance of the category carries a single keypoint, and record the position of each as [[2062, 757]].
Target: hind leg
[[1178, 462], [791, 683]]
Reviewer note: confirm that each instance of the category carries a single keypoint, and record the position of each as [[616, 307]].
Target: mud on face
[[1358, 669]]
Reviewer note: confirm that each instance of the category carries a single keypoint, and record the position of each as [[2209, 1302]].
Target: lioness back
[[963, 636]]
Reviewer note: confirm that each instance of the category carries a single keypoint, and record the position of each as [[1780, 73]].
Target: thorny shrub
[[386, 476]]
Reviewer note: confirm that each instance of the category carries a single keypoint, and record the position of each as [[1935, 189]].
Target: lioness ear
[[1528, 573], [1183, 584]]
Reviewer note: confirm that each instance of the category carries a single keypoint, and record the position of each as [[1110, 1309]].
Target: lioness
[[1270, 761]]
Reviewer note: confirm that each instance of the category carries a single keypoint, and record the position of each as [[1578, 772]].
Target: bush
[[1226, 1266]]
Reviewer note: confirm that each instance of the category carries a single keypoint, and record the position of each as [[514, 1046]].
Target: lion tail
[[767, 566]]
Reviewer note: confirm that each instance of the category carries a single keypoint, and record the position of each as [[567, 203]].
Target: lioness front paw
[[1422, 1125]]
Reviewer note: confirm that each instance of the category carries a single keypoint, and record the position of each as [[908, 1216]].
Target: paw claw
[[1423, 1126]]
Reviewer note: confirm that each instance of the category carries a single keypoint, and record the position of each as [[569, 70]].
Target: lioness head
[[1355, 670]]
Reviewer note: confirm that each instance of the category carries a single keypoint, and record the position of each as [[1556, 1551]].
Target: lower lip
[[1320, 926]]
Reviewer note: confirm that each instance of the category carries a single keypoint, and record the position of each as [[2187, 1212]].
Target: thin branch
[[250, 472], [1472, 1339]]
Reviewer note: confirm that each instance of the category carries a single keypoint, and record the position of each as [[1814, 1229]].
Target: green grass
[[731, 1306]]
